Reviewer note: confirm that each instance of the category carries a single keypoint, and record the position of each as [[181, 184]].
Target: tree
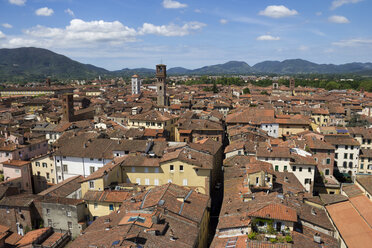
[[246, 91], [214, 88], [332, 85]]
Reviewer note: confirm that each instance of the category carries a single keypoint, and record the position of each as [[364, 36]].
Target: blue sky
[[116, 34]]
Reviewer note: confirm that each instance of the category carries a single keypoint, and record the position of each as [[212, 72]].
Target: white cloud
[[170, 4], [197, 11], [2, 35], [353, 42], [171, 29], [18, 2], [223, 21], [6, 25], [339, 3], [44, 11], [92, 34], [277, 11], [267, 37], [303, 48], [338, 19], [81, 32], [70, 12]]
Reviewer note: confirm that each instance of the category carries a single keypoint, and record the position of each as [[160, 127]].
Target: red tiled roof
[[276, 211], [352, 227]]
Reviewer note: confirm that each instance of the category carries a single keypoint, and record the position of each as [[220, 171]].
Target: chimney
[[317, 238], [155, 219]]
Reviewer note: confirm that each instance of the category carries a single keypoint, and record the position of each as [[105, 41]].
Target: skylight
[[137, 218]]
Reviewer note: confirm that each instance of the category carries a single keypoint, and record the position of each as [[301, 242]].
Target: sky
[[117, 34]]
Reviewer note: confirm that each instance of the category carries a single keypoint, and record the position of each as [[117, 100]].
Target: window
[[69, 224], [156, 181], [326, 172], [294, 168], [111, 207], [350, 164], [50, 223], [45, 165], [345, 155], [345, 164], [328, 161], [146, 170], [346, 147], [47, 175], [91, 184], [276, 167], [300, 169], [133, 169], [351, 156], [351, 147], [156, 170], [91, 159], [257, 180], [138, 181], [68, 213], [95, 205], [65, 169], [47, 211], [307, 181], [181, 168], [309, 169], [184, 182], [285, 168], [37, 164], [147, 181], [171, 168], [361, 166], [16, 171]]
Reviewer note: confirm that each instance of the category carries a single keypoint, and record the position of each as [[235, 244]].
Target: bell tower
[[161, 75]]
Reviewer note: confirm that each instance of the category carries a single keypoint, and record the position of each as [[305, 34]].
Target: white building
[[347, 152], [285, 159], [136, 85], [272, 129]]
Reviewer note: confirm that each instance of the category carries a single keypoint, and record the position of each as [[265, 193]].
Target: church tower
[[136, 85], [161, 75]]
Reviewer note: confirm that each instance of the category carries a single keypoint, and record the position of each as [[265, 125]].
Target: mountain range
[[29, 63]]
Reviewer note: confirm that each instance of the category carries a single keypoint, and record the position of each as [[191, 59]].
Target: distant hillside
[[297, 66], [31, 63], [24, 64], [232, 67]]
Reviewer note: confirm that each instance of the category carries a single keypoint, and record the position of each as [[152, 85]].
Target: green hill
[[29, 63]]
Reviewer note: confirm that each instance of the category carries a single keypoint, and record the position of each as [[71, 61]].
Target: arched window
[[350, 164], [326, 172]]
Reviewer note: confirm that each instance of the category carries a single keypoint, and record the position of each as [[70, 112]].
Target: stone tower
[[292, 84], [161, 75], [68, 107], [136, 85]]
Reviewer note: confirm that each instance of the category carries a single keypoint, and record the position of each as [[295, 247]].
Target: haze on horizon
[[189, 33]]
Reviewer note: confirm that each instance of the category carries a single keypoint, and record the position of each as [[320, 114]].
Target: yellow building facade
[[43, 172]]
